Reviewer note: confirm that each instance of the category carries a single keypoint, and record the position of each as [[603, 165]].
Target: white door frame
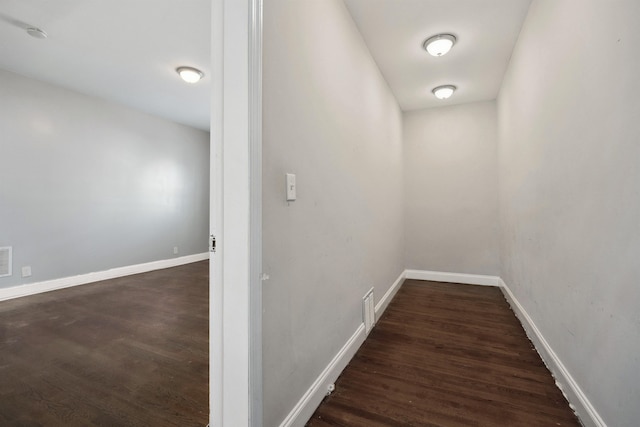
[[235, 313]]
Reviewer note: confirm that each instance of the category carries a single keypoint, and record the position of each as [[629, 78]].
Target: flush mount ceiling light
[[37, 33], [190, 74], [444, 92], [440, 44]]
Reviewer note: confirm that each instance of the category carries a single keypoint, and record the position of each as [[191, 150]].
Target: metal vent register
[[5, 261], [368, 311]]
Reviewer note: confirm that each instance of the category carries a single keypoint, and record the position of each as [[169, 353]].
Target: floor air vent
[[5, 261], [368, 311]]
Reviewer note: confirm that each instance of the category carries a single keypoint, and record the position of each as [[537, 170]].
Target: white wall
[[569, 153], [330, 118], [88, 185], [451, 189]]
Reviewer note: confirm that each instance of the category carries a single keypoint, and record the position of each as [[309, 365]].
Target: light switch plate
[[291, 187]]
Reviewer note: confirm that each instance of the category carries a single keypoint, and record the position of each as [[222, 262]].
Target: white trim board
[[574, 394], [381, 306], [83, 279], [309, 402], [565, 382], [441, 276]]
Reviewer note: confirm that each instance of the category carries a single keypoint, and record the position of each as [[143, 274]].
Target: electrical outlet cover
[[26, 271]]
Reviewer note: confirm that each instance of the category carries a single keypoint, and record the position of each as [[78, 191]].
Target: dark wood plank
[[446, 355], [132, 351]]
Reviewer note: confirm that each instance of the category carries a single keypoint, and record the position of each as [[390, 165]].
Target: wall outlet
[[175, 250], [26, 271]]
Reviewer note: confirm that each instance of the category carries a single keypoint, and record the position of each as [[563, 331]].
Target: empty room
[[361, 213], [105, 184]]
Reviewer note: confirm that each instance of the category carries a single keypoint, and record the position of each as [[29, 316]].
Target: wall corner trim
[[565, 382], [83, 279], [441, 276]]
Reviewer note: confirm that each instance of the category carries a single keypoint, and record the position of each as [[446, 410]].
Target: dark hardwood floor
[[131, 351], [446, 355]]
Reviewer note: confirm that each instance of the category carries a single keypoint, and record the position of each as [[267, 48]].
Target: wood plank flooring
[[446, 355], [131, 351]]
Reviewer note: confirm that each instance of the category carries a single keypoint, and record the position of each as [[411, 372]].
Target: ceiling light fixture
[[190, 74], [37, 33], [440, 44], [444, 92]]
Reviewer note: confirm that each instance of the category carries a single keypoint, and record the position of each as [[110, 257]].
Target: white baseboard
[[83, 279], [574, 394], [441, 276], [310, 401], [388, 296]]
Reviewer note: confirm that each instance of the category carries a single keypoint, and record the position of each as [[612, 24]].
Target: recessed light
[[444, 92], [190, 74], [440, 44], [37, 33]]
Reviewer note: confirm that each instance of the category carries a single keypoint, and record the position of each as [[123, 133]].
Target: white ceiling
[[394, 31], [121, 50], [127, 51]]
